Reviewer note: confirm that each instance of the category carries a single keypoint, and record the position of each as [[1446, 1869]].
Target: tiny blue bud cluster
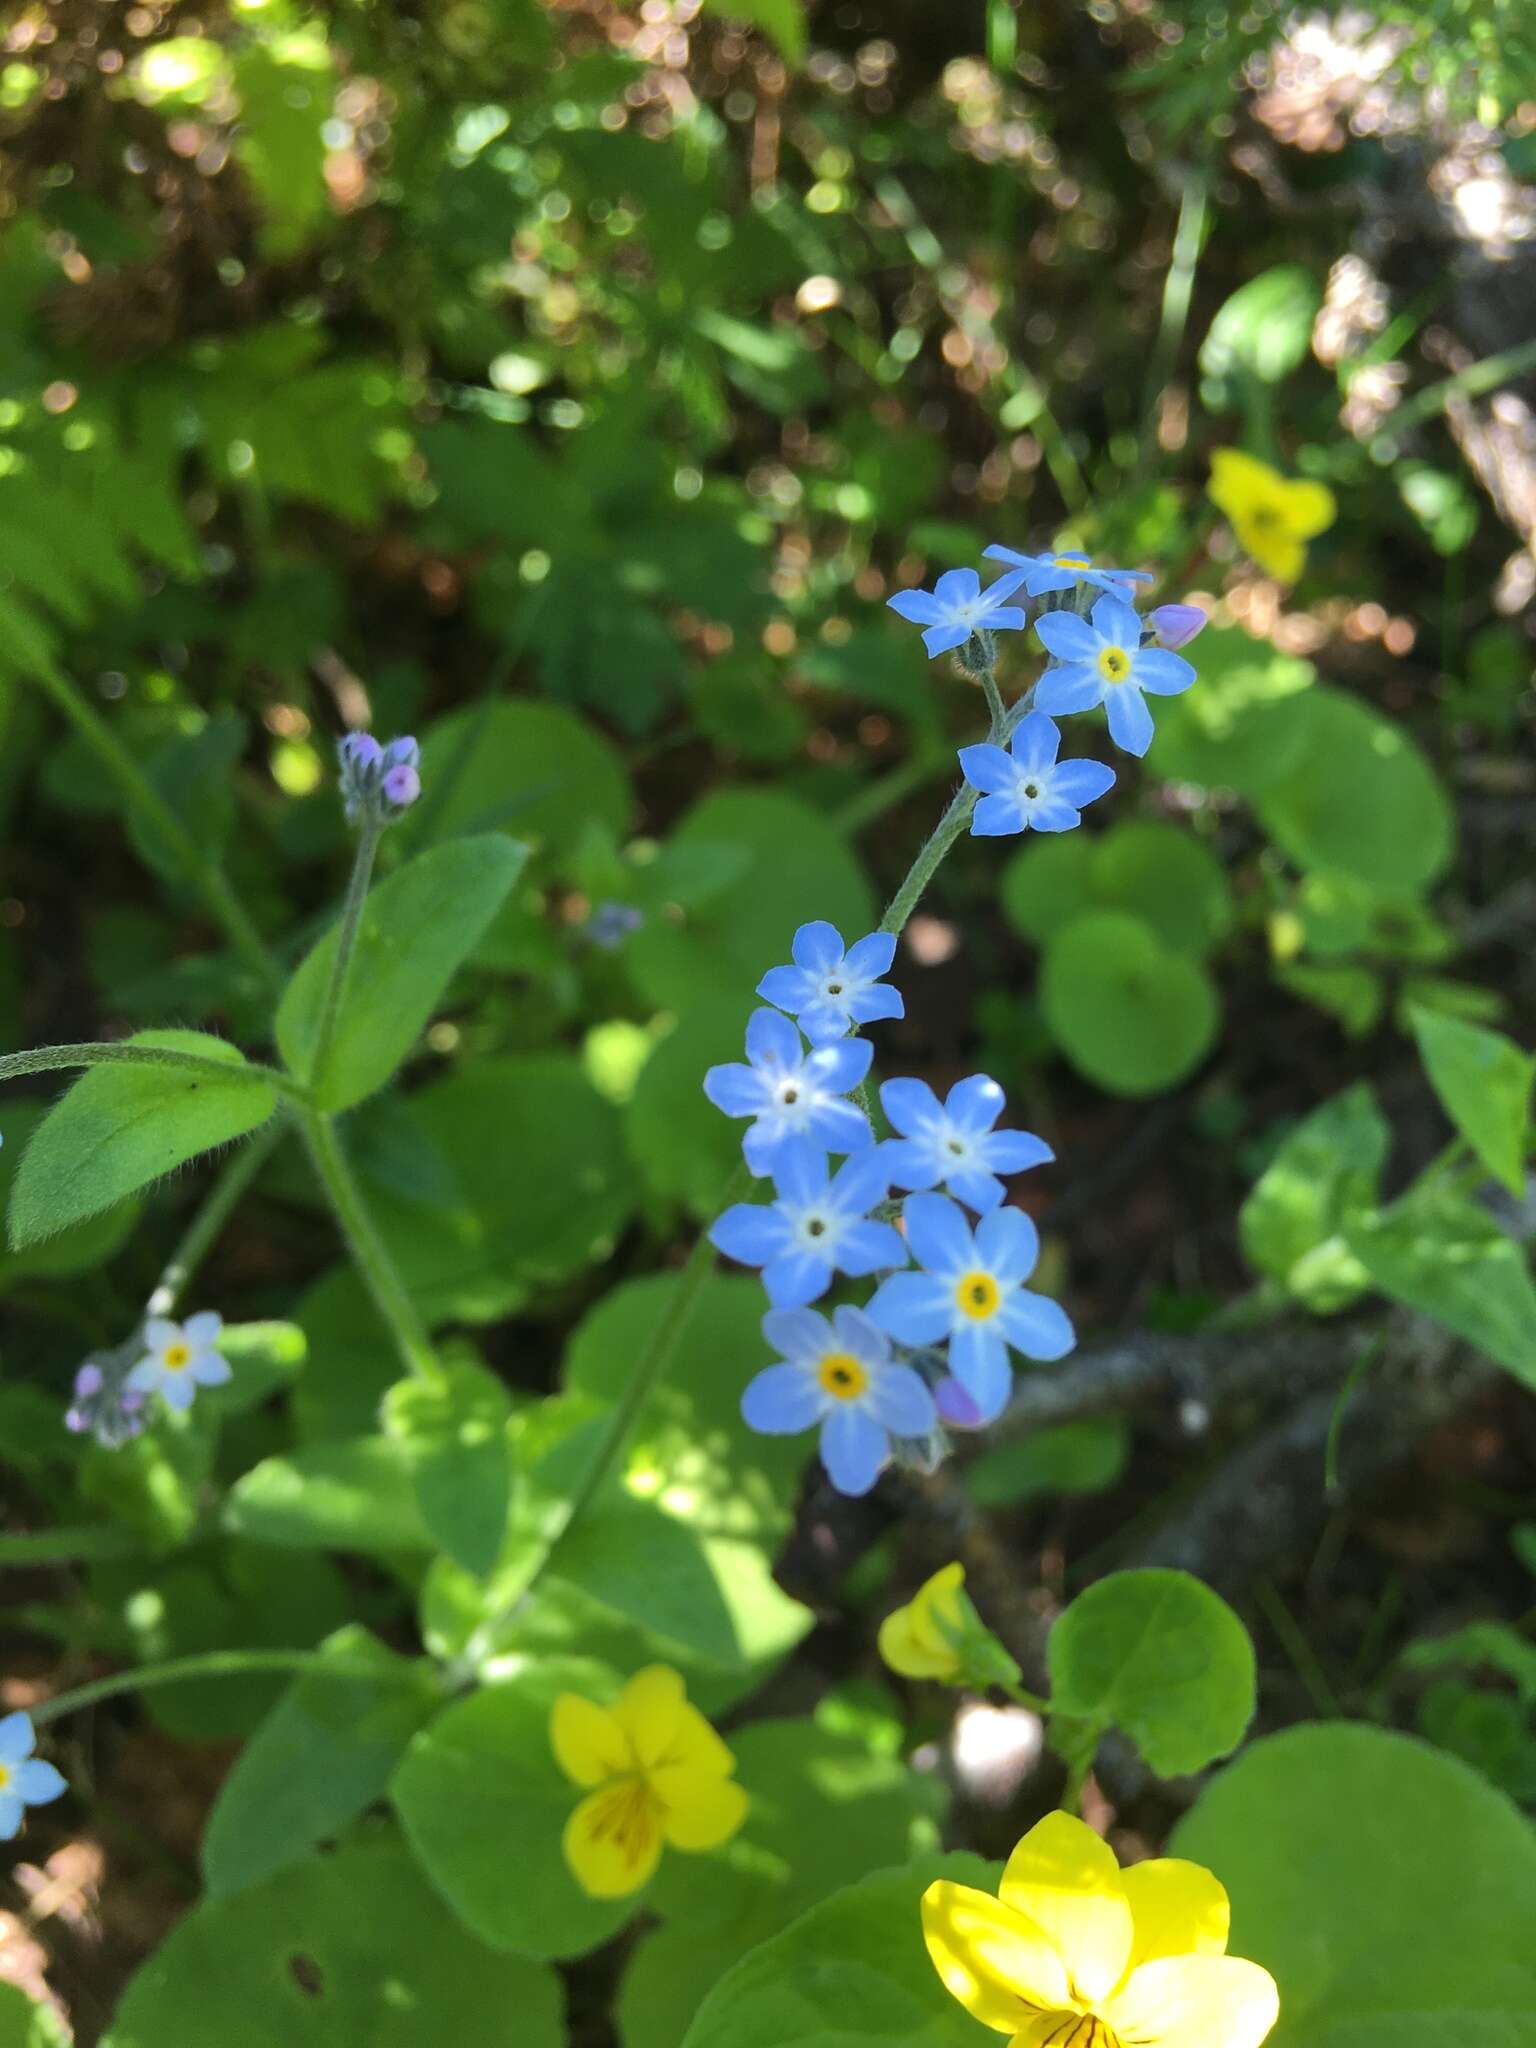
[[113, 1389], [929, 1347], [378, 783]]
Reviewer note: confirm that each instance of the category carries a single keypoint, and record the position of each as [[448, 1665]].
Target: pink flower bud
[[1176, 624], [956, 1407]]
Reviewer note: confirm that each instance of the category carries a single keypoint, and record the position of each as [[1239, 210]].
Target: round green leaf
[[1361, 798], [1166, 877], [344, 1951], [484, 1805], [1243, 725], [686, 1148], [1262, 332], [1126, 1012], [1047, 883], [1160, 1656], [799, 868], [1387, 1887], [534, 770]]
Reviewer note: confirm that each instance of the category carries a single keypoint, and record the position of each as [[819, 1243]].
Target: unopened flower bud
[[1176, 624], [402, 786]]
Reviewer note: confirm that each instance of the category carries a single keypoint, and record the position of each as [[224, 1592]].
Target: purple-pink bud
[[75, 1422], [359, 750], [1177, 624], [88, 1381], [402, 786], [956, 1407]]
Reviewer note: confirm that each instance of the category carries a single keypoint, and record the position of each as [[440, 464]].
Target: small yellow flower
[[1273, 516], [922, 1639], [1077, 1953], [659, 1773]]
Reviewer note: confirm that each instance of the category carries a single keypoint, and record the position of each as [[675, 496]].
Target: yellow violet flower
[[658, 1772], [1273, 516], [1076, 1953], [921, 1640]]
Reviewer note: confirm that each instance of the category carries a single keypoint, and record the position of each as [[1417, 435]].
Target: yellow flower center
[[1114, 664], [977, 1296], [1079, 2030], [842, 1376], [1265, 517], [628, 1814], [175, 1356], [1070, 561], [5, 1776]]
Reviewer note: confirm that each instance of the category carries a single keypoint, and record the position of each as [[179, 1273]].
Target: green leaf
[[1078, 1457], [783, 21], [322, 1756], [1262, 332], [1149, 868], [481, 1785], [1438, 1252], [1483, 1081], [26, 2024], [1325, 1178], [1390, 1891], [686, 1149], [1245, 726], [1362, 798], [1354, 995], [1160, 1656], [342, 1496], [1125, 1011], [84, 1247], [416, 929], [1043, 887], [851, 1973], [454, 1431], [643, 1564], [121, 1127], [535, 770], [343, 1951]]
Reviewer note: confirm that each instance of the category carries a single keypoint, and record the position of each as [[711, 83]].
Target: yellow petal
[[700, 1812], [694, 1747], [1195, 2002], [996, 1962], [1238, 481], [911, 1655], [917, 1639], [613, 1839], [588, 1742], [1309, 509], [649, 1709], [1278, 553], [1178, 1908], [1068, 1883]]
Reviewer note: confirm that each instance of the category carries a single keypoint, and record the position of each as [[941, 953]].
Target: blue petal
[[857, 1334], [750, 1234], [823, 1022], [1014, 1151], [1037, 1326], [853, 1448], [1074, 688], [1036, 743], [920, 606], [796, 1278], [900, 1402], [37, 1782], [912, 1163], [998, 817], [839, 1126], [998, 553], [11, 1810], [781, 1401], [17, 1738], [870, 957], [987, 768], [798, 1334], [1004, 585], [878, 1001], [938, 1235], [1116, 623], [1008, 1244], [1080, 782], [817, 947], [1130, 722], [975, 1104], [911, 1106], [955, 1406], [736, 1089], [800, 1174], [840, 1067], [860, 1183], [772, 1040], [1055, 814], [914, 1307], [1068, 637], [958, 586], [790, 987], [978, 1358], [978, 1189], [942, 639], [866, 1247], [1164, 674], [1048, 578], [762, 1145], [1006, 618]]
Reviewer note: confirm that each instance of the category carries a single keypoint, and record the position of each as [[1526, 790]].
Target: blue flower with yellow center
[[1065, 571], [840, 1375], [1100, 660]]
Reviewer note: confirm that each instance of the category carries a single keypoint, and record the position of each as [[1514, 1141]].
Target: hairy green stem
[[1023, 1697], [206, 1664], [203, 870], [44, 1059], [997, 710], [390, 1295], [341, 959], [215, 1210]]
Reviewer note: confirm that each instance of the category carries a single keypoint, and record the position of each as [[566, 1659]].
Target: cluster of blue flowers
[[932, 1345], [1111, 657]]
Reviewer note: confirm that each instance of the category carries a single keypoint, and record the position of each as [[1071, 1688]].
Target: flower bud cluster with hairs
[[378, 783]]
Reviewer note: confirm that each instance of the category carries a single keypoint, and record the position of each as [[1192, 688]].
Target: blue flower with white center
[[817, 1227], [1101, 661], [953, 1141], [830, 989], [792, 1093], [971, 1290], [25, 1780], [1027, 787], [841, 1375], [179, 1358], [1045, 573], [957, 607]]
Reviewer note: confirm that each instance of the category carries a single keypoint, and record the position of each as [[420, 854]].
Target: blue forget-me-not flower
[[1102, 661], [1046, 573], [180, 1357], [841, 1375], [818, 1226], [25, 1780], [971, 1290], [792, 1093], [1026, 786], [953, 1141], [832, 990], [957, 607]]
